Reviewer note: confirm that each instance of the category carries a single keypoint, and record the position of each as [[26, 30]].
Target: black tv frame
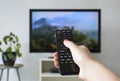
[[85, 10]]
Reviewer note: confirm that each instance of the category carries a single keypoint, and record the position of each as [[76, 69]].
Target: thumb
[[70, 44]]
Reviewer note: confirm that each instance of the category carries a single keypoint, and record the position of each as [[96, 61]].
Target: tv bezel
[[85, 10]]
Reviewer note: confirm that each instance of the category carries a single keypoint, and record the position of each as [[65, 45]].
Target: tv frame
[[85, 10]]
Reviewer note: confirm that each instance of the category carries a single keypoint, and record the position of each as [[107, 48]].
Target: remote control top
[[66, 63]]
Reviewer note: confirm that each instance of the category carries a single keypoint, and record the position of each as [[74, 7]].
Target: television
[[85, 24]]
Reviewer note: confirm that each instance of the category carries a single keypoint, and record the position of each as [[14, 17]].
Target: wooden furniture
[[16, 66], [45, 74]]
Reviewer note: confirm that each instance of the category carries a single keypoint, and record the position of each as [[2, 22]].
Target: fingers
[[72, 46], [55, 59], [69, 44]]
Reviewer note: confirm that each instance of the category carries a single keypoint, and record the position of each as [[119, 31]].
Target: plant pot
[[9, 61]]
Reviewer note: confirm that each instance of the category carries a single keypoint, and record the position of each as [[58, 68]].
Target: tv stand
[[46, 75]]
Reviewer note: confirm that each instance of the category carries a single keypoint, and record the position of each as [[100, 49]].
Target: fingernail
[[65, 40]]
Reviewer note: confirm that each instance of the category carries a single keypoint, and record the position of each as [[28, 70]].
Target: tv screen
[[85, 24]]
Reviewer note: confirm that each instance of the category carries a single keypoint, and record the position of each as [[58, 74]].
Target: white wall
[[14, 16]]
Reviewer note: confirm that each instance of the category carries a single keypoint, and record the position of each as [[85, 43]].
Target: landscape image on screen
[[44, 24]]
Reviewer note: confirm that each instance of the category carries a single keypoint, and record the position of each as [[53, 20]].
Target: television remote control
[[66, 63]]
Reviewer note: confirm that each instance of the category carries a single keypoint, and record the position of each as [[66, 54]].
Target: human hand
[[81, 56]]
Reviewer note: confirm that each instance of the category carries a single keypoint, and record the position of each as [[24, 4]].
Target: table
[[16, 66]]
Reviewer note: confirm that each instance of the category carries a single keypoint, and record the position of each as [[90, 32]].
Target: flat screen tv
[[85, 24]]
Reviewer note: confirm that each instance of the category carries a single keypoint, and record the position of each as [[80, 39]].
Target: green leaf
[[16, 37], [18, 45], [0, 43], [5, 39], [17, 51], [12, 34], [10, 56], [10, 38], [14, 42], [19, 54], [1, 50], [9, 50]]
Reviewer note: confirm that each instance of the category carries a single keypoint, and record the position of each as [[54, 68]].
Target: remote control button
[[68, 59], [61, 56], [62, 59], [61, 62], [61, 51], [70, 62], [65, 56]]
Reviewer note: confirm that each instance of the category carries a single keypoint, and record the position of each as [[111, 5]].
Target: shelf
[[47, 74], [46, 59]]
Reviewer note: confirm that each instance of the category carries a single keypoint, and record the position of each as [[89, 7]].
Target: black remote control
[[66, 63]]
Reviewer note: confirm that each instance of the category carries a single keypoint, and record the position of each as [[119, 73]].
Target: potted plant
[[12, 49]]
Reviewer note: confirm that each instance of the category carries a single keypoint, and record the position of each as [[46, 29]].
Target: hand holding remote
[[90, 68], [81, 56]]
